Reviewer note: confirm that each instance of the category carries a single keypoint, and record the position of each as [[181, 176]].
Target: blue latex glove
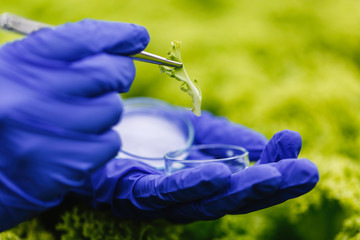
[[135, 190], [58, 101]]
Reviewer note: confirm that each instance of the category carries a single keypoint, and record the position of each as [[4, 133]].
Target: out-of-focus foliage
[[269, 65], [31, 230], [85, 223], [96, 225]]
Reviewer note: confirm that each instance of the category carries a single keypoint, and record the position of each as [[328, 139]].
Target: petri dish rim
[[204, 146]]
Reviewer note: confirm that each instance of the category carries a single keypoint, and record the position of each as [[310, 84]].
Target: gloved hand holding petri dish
[[162, 136], [175, 165]]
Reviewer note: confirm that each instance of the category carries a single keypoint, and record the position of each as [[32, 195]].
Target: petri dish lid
[[150, 128]]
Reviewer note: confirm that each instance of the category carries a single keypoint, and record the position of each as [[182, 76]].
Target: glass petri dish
[[235, 157], [149, 128]]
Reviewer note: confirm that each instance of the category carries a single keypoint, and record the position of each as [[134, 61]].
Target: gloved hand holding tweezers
[[58, 103]]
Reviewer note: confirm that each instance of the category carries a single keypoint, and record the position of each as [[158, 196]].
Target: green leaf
[[190, 87]]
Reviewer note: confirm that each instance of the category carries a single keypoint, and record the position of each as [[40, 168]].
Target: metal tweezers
[[26, 26]]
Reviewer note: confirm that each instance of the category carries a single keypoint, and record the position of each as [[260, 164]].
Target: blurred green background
[[269, 65]]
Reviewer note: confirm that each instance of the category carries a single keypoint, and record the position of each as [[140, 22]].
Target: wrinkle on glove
[[137, 191], [58, 103]]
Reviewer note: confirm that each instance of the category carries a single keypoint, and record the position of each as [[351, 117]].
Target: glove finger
[[254, 183], [299, 176], [159, 191], [73, 41], [92, 76], [210, 129], [284, 144], [94, 115], [100, 74]]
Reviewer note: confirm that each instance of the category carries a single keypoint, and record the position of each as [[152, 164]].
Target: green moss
[[81, 223], [351, 229], [30, 230]]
